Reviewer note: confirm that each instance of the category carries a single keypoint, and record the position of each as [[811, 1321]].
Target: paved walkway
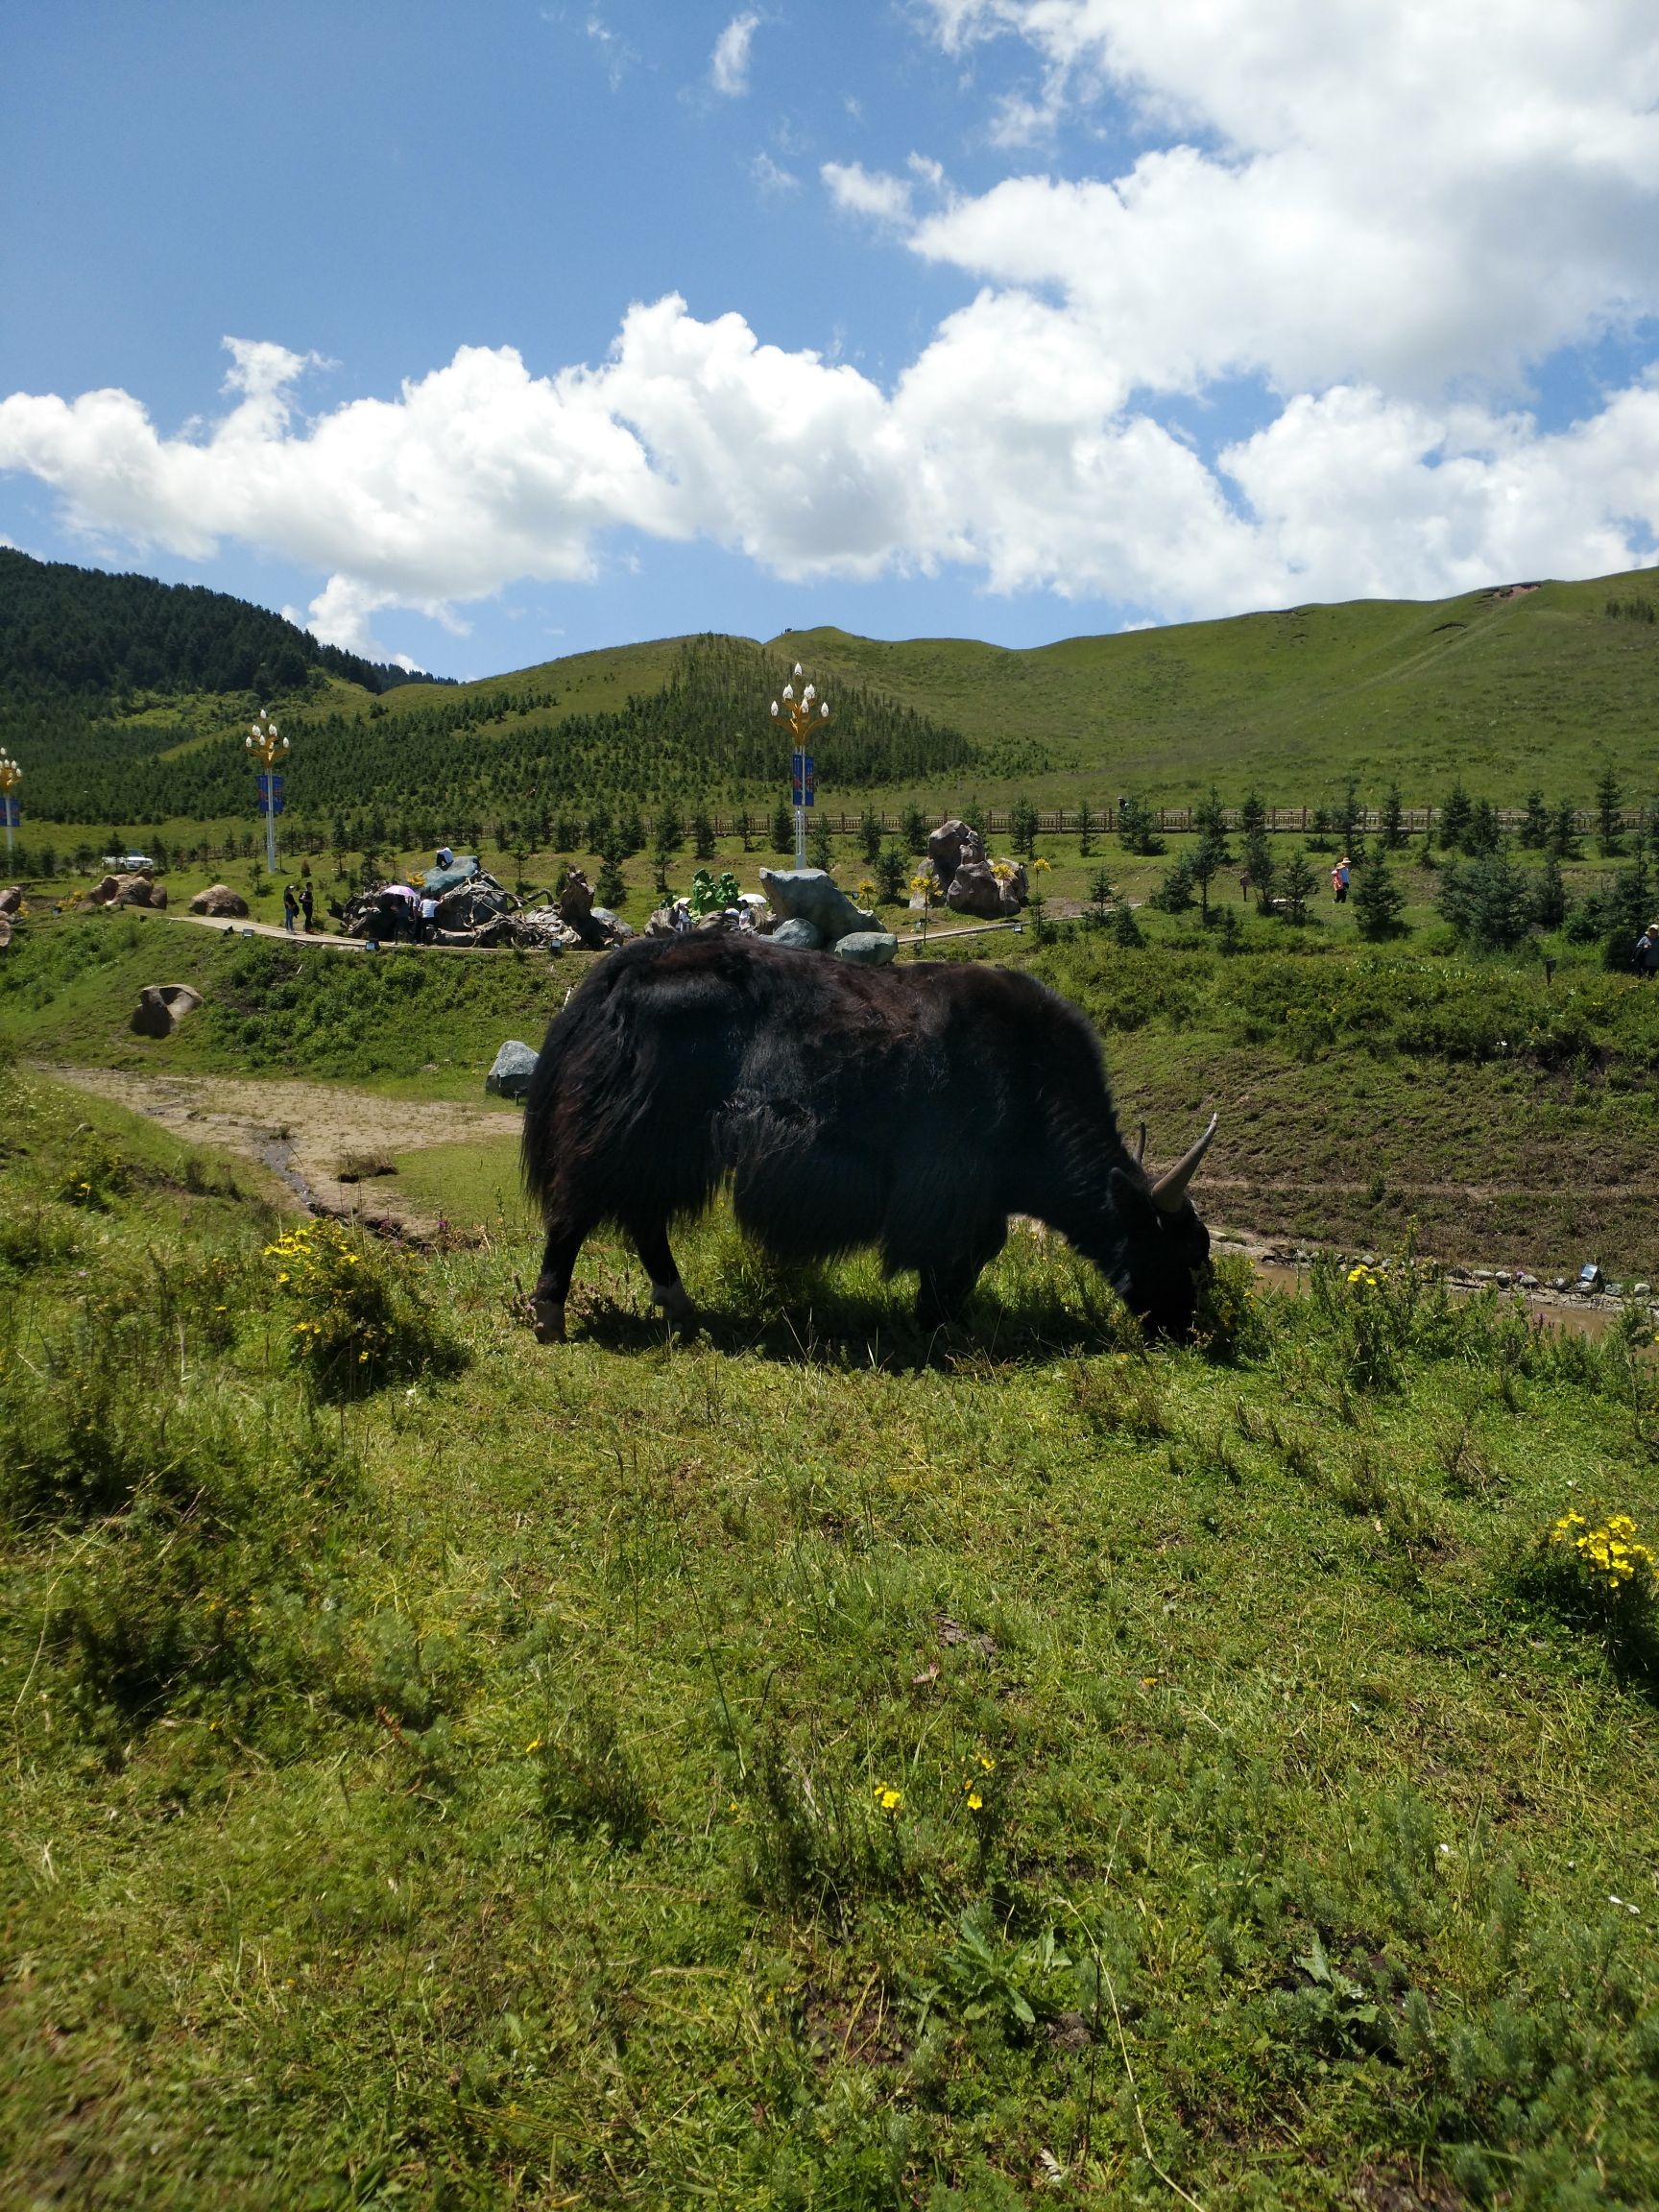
[[225, 924]]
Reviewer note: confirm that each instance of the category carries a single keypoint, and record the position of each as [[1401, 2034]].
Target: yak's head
[[1165, 1246]]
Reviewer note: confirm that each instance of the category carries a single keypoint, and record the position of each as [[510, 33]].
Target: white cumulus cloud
[[728, 65], [1382, 218]]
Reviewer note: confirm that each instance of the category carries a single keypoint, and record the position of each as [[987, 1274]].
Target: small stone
[[799, 932], [1503, 1278], [509, 1077], [1557, 1282], [1643, 1290], [866, 948]]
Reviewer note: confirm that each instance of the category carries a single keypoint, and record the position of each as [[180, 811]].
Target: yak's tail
[[537, 1160], [577, 1034]]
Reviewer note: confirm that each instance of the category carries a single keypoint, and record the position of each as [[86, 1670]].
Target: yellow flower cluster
[[1364, 1278], [340, 1305], [887, 1798], [1611, 1552], [971, 1788]]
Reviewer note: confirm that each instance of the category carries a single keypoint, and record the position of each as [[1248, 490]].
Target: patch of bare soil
[[303, 1134]]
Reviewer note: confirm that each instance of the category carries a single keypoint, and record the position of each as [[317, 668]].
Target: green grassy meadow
[[812, 1766]]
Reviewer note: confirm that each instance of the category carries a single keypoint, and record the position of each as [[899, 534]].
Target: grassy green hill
[[1504, 688], [1503, 691]]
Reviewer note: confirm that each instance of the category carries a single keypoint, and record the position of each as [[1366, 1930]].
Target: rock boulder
[[161, 1007], [813, 895], [798, 933], [951, 846], [128, 891], [866, 948], [10, 899], [977, 888], [510, 1075], [219, 900]]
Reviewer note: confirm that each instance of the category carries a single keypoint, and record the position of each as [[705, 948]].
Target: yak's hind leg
[[666, 1288], [946, 1280], [553, 1283]]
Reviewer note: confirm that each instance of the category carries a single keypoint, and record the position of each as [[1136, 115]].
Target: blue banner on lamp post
[[270, 794], [804, 778], [10, 811]]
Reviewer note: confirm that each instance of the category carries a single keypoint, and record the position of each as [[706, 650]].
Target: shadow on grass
[[1036, 1303]]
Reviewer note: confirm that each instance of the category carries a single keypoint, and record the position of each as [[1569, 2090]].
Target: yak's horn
[[1141, 1145], [1169, 1191]]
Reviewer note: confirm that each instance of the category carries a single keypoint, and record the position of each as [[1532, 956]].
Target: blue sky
[[562, 326]]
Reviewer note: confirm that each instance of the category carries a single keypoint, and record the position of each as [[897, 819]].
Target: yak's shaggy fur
[[911, 1108]]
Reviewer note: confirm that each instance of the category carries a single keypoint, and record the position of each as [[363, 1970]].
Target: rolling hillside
[[1504, 688], [1501, 690]]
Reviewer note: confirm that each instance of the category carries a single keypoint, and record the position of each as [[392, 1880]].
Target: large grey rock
[[161, 1007], [510, 1075], [952, 846], [802, 935], [866, 948], [975, 888], [219, 899], [813, 895], [5, 931], [10, 899]]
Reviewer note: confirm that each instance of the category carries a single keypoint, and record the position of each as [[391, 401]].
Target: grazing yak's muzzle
[[1168, 1246]]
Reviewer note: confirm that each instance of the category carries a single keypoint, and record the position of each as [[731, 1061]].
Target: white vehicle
[[129, 863]]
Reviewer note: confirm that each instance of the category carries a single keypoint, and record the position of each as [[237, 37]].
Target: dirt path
[[301, 1131]]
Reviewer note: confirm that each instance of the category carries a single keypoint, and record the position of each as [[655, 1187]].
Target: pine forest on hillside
[[472, 751]]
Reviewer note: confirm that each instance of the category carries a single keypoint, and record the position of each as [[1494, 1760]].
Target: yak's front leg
[[553, 1283], [667, 1292], [946, 1284]]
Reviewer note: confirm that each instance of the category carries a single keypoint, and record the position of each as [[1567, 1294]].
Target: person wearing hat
[[1647, 952]]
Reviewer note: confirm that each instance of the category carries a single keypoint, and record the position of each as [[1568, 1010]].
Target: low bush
[[360, 1321]]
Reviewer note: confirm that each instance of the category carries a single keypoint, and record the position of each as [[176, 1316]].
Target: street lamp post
[[802, 716], [267, 748], [10, 775]]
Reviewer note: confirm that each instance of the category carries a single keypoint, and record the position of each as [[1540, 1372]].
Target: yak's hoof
[[675, 1305], [548, 1319]]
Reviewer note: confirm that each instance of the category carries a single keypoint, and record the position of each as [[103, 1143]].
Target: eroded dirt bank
[[304, 1133]]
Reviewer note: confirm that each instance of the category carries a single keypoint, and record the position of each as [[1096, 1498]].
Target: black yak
[[910, 1108]]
